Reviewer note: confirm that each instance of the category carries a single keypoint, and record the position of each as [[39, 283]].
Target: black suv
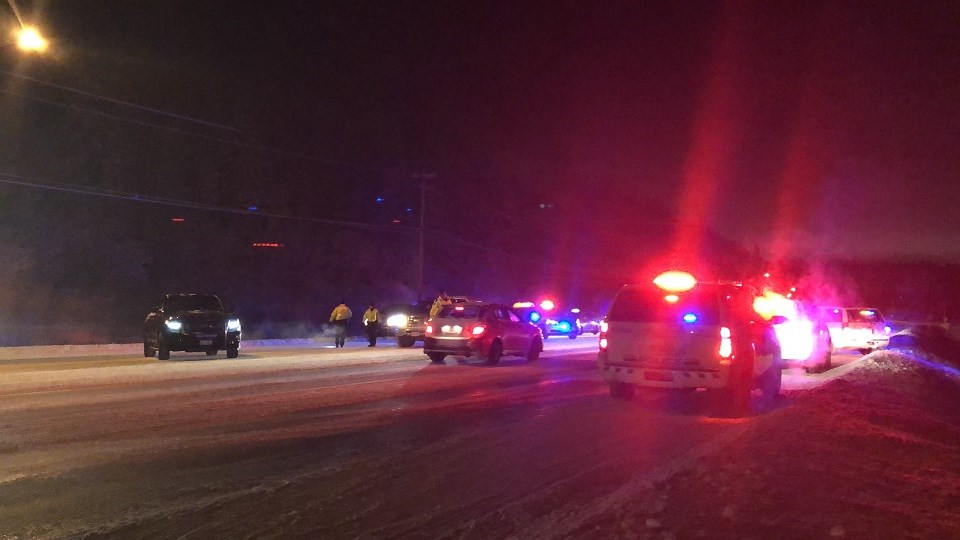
[[190, 323]]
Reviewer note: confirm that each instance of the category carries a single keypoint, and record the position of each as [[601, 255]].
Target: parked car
[[190, 323], [406, 321], [860, 328], [805, 338], [489, 331]]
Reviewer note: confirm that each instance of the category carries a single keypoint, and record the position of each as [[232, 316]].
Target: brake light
[[479, 329], [603, 344], [726, 345], [428, 329]]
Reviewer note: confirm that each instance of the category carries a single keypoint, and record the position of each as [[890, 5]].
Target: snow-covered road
[[355, 442]]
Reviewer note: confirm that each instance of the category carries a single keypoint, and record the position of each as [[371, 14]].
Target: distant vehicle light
[[428, 329], [534, 317], [379, 199], [604, 326], [272, 245], [690, 318], [173, 325], [458, 308], [564, 326], [868, 312], [575, 310], [672, 298], [397, 321], [887, 329], [233, 324], [178, 220], [252, 208], [479, 329], [675, 281], [523, 305], [547, 305]]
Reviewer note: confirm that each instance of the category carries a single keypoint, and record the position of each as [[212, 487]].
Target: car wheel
[[496, 351], [436, 357], [148, 351], [233, 352], [211, 352], [534, 353], [771, 381], [405, 341], [621, 390], [163, 351]]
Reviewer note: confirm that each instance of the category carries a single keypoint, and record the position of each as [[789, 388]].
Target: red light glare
[[479, 329], [177, 220], [266, 245], [547, 305]]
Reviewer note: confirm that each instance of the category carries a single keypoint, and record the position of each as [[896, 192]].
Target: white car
[[860, 328]]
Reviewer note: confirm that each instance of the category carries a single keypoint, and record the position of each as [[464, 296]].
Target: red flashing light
[[177, 220], [266, 245], [675, 281], [547, 305]]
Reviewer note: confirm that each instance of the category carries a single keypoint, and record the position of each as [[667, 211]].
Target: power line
[[120, 101], [239, 144], [12, 179]]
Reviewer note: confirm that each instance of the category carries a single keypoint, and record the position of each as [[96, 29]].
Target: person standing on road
[[371, 320], [441, 301], [339, 318]]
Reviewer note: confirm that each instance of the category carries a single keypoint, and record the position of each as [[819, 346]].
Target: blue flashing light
[[379, 199], [690, 318], [252, 208], [563, 326], [534, 317], [409, 210]]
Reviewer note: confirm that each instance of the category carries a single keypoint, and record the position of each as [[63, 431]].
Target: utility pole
[[423, 177]]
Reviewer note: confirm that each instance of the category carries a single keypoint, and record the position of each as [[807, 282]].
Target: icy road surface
[[361, 442]]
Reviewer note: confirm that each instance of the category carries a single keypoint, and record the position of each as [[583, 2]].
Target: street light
[[29, 40]]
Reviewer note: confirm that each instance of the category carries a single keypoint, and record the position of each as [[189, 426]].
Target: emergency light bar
[[675, 281]]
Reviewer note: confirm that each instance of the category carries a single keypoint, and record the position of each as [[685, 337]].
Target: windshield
[[192, 302]]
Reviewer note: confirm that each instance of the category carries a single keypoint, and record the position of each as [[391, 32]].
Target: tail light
[[428, 329], [726, 345], [603, 342], [603, 335], [478, 329], [604, 326]]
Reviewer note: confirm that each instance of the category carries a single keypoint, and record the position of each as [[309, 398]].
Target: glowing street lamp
[[29, 40]]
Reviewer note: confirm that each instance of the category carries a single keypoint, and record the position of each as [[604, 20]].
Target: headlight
[[174, 325], [399, 320], [233, 324]]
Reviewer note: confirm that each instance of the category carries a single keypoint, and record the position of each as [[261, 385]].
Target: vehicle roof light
[[672, 298], [868, 312], [575, 310], [522, 305], [689, 318], [547, 305], [458, 308], [675, 281]]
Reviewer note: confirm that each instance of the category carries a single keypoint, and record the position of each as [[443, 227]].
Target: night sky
[[799, 127]]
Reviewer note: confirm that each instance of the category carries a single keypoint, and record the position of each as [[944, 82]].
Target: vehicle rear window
[[461, 312], [192, 303], [864, 316], [694, 307]]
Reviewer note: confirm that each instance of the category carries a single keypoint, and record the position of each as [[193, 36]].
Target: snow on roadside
[[875, 453]]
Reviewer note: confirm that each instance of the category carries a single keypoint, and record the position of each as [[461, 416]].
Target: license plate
[[658, 376], [206, 342]]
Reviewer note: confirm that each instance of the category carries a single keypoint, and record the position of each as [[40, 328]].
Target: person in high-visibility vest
[[339, 318], [371, 320], [441, 301]]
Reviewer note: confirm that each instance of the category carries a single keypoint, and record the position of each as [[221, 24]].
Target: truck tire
[[405, 341], [496, 351], [436, 357], [163, 351]]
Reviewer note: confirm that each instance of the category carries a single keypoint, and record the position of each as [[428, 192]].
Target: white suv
[[857, 328]]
